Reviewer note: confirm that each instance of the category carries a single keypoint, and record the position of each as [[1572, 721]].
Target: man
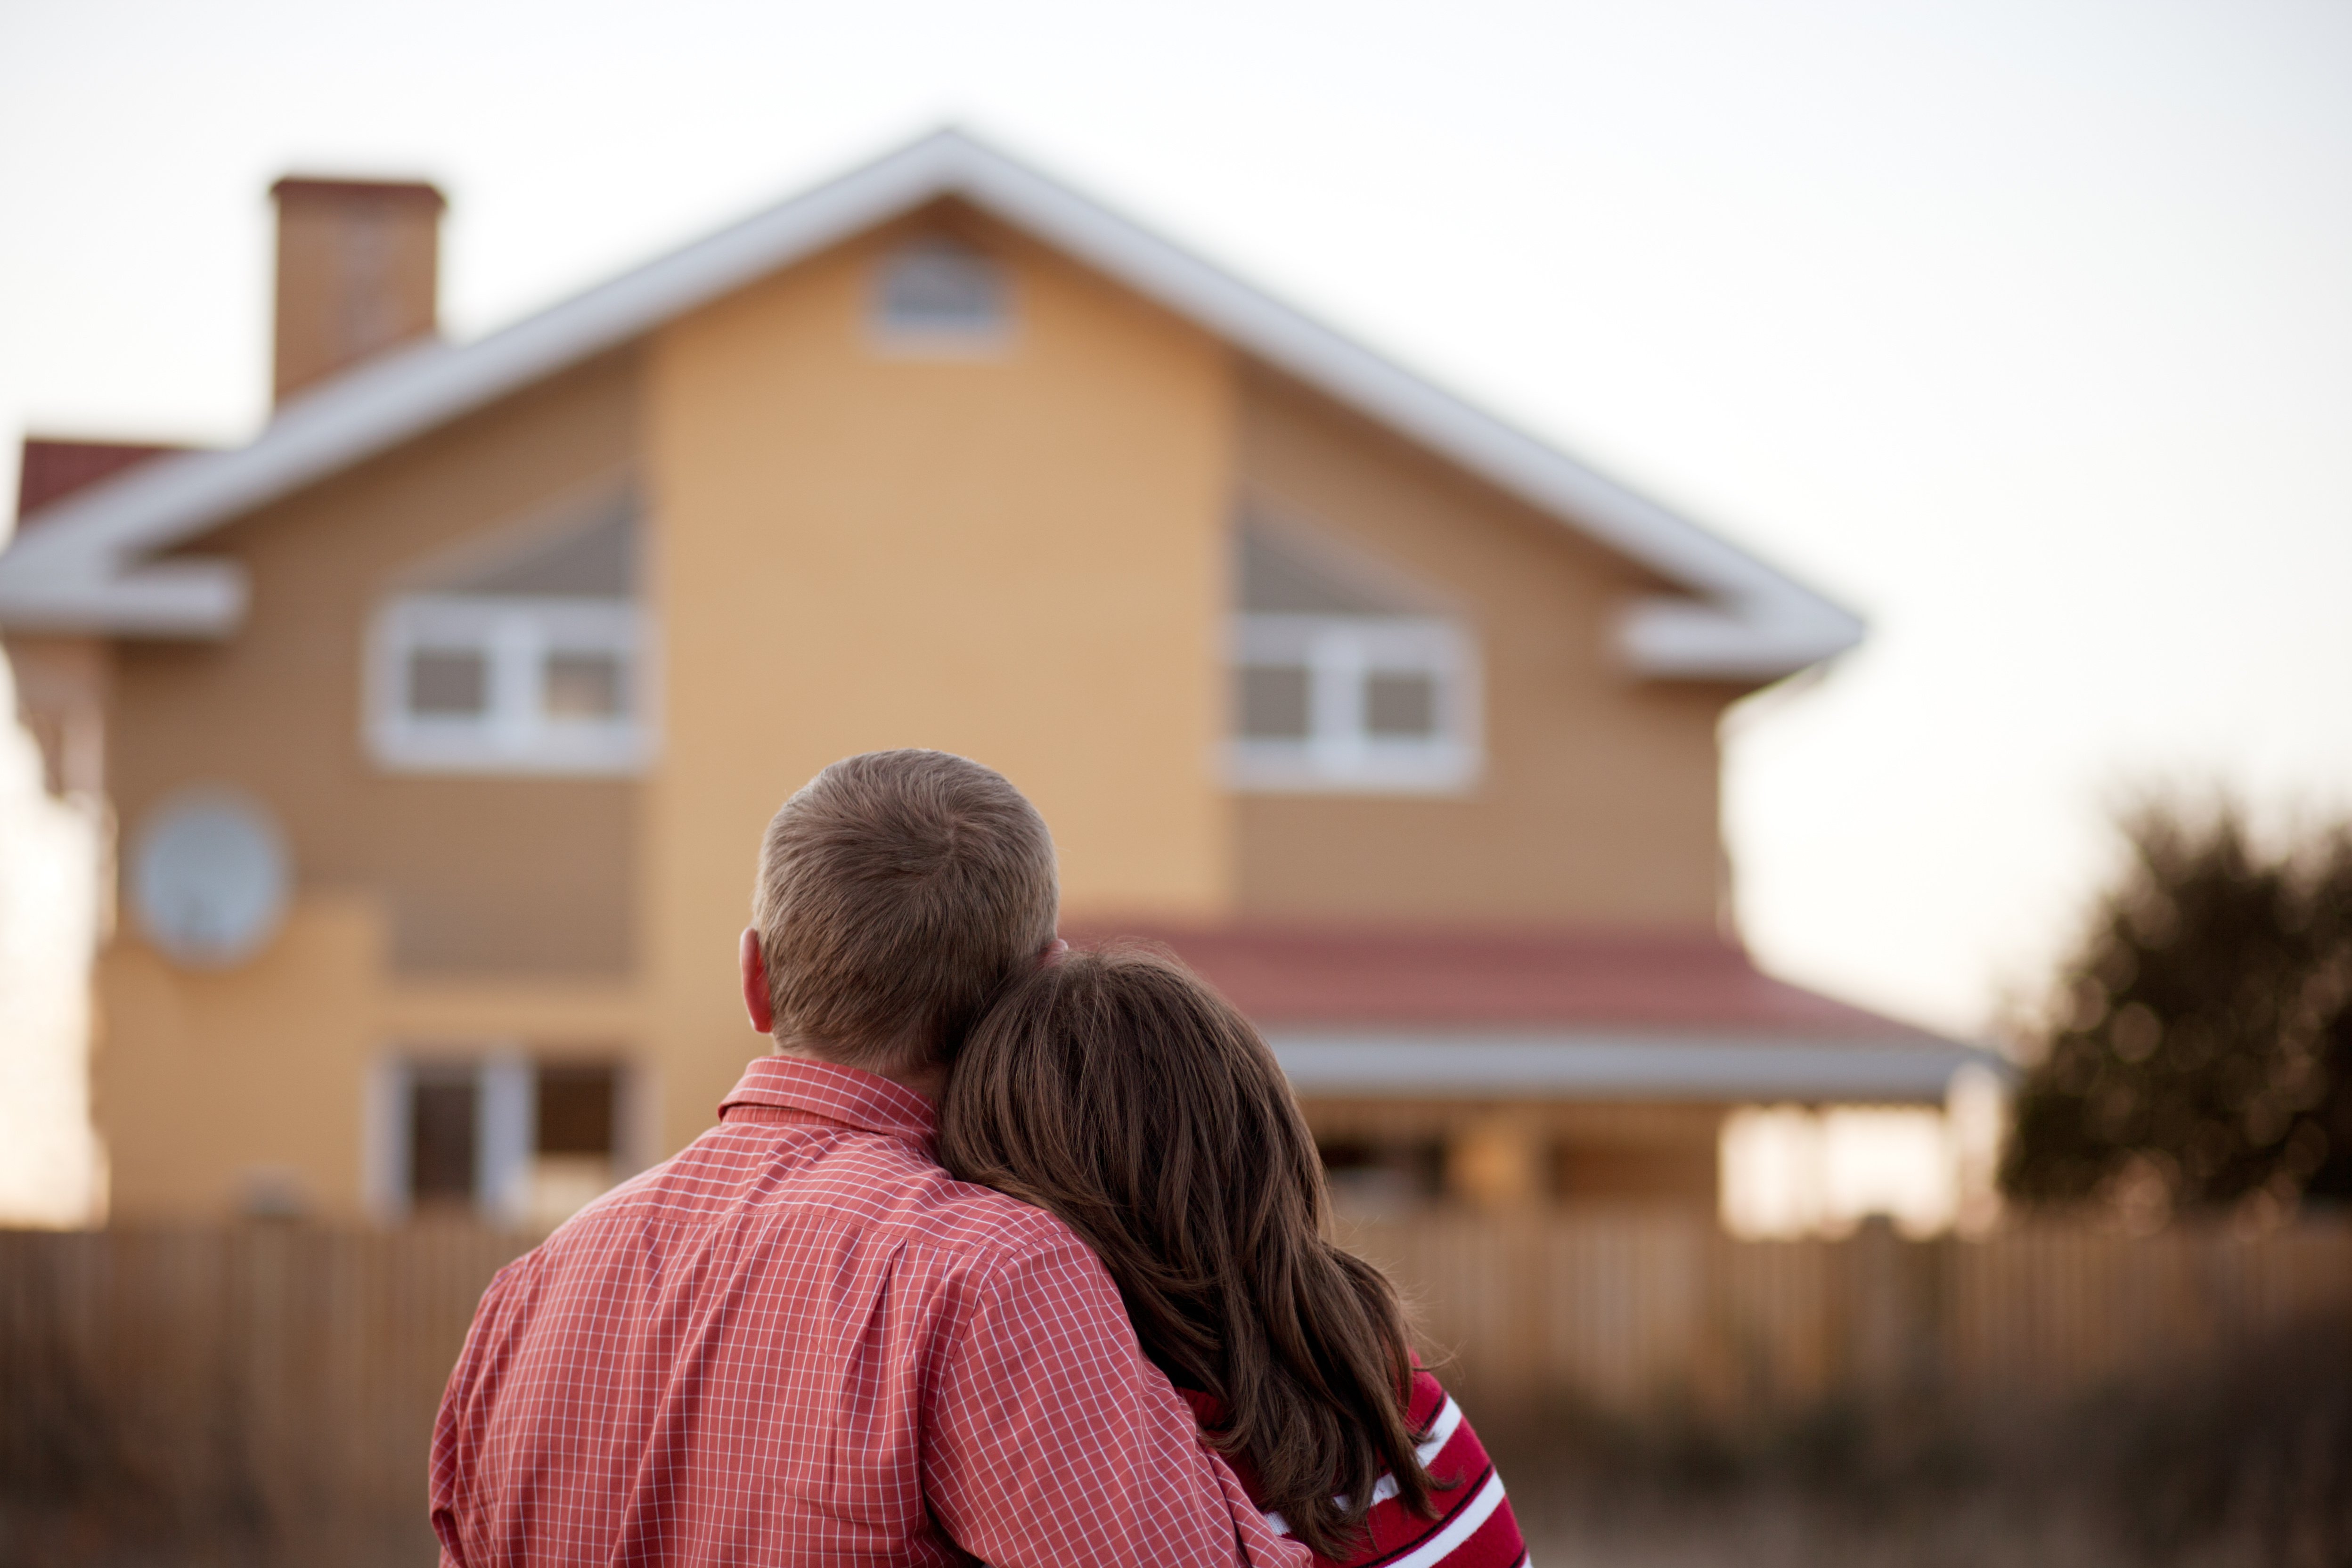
[[799, 1341]]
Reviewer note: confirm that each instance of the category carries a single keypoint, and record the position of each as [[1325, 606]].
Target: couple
[[1006, 1254]]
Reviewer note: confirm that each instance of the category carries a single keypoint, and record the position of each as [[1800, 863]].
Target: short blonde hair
[[898, 893]]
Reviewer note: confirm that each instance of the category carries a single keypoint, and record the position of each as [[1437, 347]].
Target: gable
[[93, 567]]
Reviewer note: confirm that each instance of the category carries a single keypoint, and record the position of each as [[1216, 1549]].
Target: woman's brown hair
[[1119, 1092]]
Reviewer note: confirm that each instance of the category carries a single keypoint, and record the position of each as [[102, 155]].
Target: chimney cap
[[403, 191]]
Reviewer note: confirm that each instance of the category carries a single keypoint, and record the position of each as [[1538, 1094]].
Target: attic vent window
[[1342, 681], [941, 296], [531, 663]]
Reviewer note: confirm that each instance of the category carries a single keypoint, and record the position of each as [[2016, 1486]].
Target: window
[[484, 684], [940, 296], [443, 1137], [498, 1136], [575, 1140], [533, 662], [1342, 678], [1375, 702]]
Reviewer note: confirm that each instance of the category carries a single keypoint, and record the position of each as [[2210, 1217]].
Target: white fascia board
[[1689, 639], [1482, 1065], [1751, 622], [166, 599]]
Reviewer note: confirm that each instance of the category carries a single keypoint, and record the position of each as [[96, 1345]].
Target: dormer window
[[532, 662], [1343, 679], [940, 296]]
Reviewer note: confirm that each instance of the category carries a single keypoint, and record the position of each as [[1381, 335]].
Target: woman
[[1118, 1091]]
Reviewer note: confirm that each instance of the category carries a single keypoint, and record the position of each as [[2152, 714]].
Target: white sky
[[2022, 326]]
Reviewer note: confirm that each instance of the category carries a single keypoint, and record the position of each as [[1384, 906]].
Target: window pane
[[441, 1139], [584, 685], [1401, 705], [1273, 702], [449, 680], [575, 1110]]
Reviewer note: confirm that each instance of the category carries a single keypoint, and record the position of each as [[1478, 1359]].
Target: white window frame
[[506, 1127], [514, 734], [1339, 753], [506, 1113]]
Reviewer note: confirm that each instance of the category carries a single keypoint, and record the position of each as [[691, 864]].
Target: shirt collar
[[846, 1095]]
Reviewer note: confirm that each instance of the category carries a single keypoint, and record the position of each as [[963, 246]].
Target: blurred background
[[1727, 623]]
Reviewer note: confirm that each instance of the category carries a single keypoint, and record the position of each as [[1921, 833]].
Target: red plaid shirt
[[801, 1342]]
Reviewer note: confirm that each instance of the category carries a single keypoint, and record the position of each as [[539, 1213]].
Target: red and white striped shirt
[[800, 1341], [1474, 1528]]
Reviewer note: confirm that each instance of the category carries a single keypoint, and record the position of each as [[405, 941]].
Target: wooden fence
[[1642, 1316], [254, 1394], [266, 1393]]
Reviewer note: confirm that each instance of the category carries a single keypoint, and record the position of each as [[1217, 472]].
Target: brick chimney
[[358, 272]]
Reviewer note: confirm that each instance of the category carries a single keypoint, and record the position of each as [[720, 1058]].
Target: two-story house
[[442, 719]]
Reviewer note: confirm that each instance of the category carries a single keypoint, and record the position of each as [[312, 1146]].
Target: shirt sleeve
[[1052, 1442]]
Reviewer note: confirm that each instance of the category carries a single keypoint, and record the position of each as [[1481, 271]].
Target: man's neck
[[930, 1080]]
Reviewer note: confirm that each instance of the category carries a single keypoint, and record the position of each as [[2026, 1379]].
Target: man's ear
[[754, 964]]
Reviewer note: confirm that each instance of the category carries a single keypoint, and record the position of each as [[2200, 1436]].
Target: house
[[442, 719]]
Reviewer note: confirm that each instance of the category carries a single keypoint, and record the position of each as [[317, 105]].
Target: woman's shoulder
[[1429, 1398], [1445, 1444], [1472, 1526]]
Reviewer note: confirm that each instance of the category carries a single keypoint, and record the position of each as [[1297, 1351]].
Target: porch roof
[[1553, 1013]]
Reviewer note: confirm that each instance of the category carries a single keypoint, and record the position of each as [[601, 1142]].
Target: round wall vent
[[210, 878]]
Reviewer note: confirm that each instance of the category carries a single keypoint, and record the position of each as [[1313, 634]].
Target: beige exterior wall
[[1019, 557], [428, 910], [210, 1084], [1598, 802]]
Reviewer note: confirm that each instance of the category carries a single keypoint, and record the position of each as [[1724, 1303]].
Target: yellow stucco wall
[[1598, 800], [207, 1083], [1017, 556]]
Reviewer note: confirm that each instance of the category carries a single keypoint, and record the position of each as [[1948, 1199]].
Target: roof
[[55, 468], [93, 567], [1574, 1013]]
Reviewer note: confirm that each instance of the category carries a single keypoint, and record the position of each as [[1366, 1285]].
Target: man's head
[[897, 892]]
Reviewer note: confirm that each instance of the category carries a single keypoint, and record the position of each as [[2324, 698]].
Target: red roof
[[1490, 979], [54, 470]]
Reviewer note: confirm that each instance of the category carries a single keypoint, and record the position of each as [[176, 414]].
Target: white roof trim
[[80, 567], [1626, 1065]]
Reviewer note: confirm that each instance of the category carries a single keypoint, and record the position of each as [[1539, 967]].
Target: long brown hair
[[1118, 1091]]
